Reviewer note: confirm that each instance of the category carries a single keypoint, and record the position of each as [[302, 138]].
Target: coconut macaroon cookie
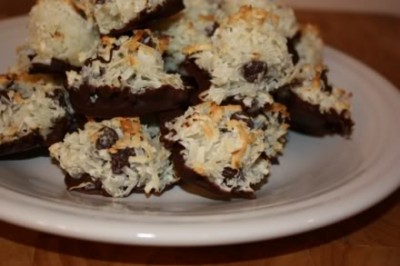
[[116, 17], [287, 23], [195, 25], [247, 72], [60, 36], [115, 158], [126, 78], [316, 107], [224, 149], [33, 112]]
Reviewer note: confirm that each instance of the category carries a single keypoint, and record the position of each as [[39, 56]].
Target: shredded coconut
[[116, 14], [126, 62], [247, 37], [216, 138], [27, 106], [58, 31], [312, 89], [287, 23]]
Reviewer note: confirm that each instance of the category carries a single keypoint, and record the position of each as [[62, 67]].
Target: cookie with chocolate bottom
[[34, 112], [251, 70], [61, 37], [224, 149], [316, 107], [126, 78], [115, 158], [195, 25]]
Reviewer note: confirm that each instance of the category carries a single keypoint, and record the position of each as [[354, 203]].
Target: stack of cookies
[[138, 96]]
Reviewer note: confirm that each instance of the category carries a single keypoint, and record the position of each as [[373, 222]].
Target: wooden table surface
[[369, 239]]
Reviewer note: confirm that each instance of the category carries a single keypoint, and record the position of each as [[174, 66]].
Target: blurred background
[[15, 7], [368, 6]]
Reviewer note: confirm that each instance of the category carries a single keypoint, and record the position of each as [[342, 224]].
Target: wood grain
[[369, 239]]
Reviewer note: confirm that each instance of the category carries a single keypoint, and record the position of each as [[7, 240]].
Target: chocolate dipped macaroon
[[316, 107], [115, 17], [34, 112], [126, 78], [224, 149], [115, 158], [61, 37], [248, 72], [195, 25]]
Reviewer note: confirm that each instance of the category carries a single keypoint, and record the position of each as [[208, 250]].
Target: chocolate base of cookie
[[189, 176], [167, 9], [202, 78], [27, 155], [93, 186], [56, 66], [306, 118], [163, 118], [26, 143], [34, 140], [107, 102]]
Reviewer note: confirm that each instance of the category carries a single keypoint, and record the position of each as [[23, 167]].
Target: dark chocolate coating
[[291, 45], [169, 8], [306, 118], [113, 102], [163, 118], [56, 66], [26, 143], [34, 140], [202, 78], [189, 176], [96, 187]]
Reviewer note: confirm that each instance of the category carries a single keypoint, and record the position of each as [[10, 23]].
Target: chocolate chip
[[254, 109], [230, 173], [210, 30], [325, 82], [121, 159], [100, 2], [224, 130], [31, 56], [254, 71], [82, 14], [291, 45], [241, 116], [4, 94], [102, 71], [231, 176], [108, 137], [147, 39]]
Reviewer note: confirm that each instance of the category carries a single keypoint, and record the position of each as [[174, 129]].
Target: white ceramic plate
[[319, 181]]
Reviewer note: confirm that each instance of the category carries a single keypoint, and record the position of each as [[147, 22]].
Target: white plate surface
[[319, 181]]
